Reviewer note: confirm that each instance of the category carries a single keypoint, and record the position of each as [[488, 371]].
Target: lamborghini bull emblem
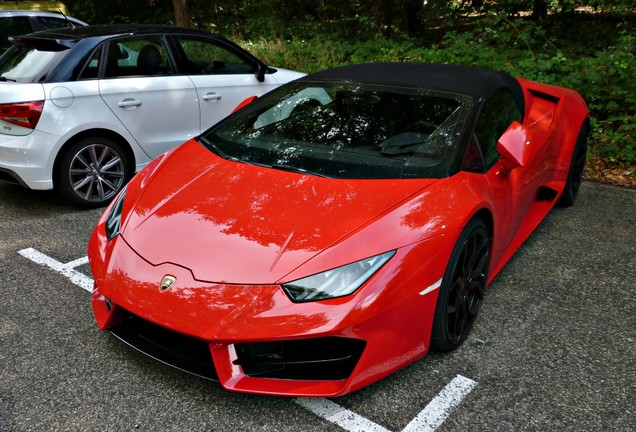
[[167, 282]]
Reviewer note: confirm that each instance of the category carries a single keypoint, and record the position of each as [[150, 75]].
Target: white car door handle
[[126, 103], [211, 96]]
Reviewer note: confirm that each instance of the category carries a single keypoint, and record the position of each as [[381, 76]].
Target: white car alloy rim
[[96, 172]]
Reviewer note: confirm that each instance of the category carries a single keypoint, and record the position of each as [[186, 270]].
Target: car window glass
[[90, 65], [206, 57], [29, 64], [473, 160], [51, 23], [496, 115], [147, 56], [13, 26], [347, 130]]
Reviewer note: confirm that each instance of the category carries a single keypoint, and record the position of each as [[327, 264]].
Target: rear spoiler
[[42, 43]]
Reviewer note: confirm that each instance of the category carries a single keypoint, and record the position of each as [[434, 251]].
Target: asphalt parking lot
[[554, 348]]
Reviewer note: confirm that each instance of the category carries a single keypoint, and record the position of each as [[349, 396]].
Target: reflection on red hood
[[230, 222]]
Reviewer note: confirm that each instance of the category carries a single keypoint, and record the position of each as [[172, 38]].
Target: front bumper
[[314, 361], [253, 339], [250, 339]]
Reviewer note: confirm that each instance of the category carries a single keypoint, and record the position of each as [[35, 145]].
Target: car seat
[[149, 61]]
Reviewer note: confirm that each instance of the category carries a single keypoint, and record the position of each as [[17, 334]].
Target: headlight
[[113, 220], [338, 282]]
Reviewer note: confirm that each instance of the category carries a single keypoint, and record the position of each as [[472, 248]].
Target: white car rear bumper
[[28, 160]]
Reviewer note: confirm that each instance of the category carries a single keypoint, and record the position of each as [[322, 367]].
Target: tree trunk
[[181, 13], [413, 8], [539, 9]]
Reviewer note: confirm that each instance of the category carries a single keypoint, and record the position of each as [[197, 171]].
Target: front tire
[[92, 171], [462, 288], [575, 173]]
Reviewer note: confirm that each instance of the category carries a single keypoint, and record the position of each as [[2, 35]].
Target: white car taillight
[[25, 114]]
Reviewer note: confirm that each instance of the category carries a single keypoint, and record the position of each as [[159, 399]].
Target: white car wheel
[[93, 171]]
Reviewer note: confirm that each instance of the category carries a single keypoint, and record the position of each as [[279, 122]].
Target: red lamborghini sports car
[[336, 229]]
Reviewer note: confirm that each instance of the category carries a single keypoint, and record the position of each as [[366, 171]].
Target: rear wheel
[[93, 171], [575, 173], [462, 288]]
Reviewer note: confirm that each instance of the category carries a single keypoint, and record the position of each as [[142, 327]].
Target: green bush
[[604, 77], [592, 52]]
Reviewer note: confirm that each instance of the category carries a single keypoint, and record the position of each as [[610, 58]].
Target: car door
[[138, 82], [512, 190], [223, 76]]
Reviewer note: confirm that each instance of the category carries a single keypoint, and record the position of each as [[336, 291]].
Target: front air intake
[[330, 358], [174, 349]]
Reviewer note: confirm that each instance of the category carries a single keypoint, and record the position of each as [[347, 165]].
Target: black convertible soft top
[[476, 82]]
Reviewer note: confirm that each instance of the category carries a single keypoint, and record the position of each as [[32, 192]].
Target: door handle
[[211, 96], [127, 103]]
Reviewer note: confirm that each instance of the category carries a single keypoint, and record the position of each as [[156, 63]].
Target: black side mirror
[[260, 72]]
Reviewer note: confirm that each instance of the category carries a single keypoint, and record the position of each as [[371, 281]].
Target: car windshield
[[28, 64], [346, 130]]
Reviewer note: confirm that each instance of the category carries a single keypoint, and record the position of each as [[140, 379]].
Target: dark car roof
[[66, 37], [472, 81], [79, 41]]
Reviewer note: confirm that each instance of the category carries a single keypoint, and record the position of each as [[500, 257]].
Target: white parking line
[[334, 413], [428, 420], [438, 410], [67, 270]]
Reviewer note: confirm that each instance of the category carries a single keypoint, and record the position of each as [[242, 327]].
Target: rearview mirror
[[514, 146]]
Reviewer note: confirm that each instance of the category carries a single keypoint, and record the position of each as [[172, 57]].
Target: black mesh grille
[[330, 358]]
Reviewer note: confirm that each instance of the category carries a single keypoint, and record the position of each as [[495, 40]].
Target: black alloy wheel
[[93, 171], [575, 173], [462, 288]]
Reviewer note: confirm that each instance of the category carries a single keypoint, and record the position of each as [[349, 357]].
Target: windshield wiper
[[298, 170], [404, 143], [5, 79], [214, 148]]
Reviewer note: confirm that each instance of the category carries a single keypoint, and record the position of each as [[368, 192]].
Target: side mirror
[[514, 146], [260, 72]]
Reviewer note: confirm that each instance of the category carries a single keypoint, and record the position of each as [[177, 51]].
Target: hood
[[230, 222]]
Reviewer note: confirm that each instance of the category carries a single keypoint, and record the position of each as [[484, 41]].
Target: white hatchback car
[[82, 109]]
